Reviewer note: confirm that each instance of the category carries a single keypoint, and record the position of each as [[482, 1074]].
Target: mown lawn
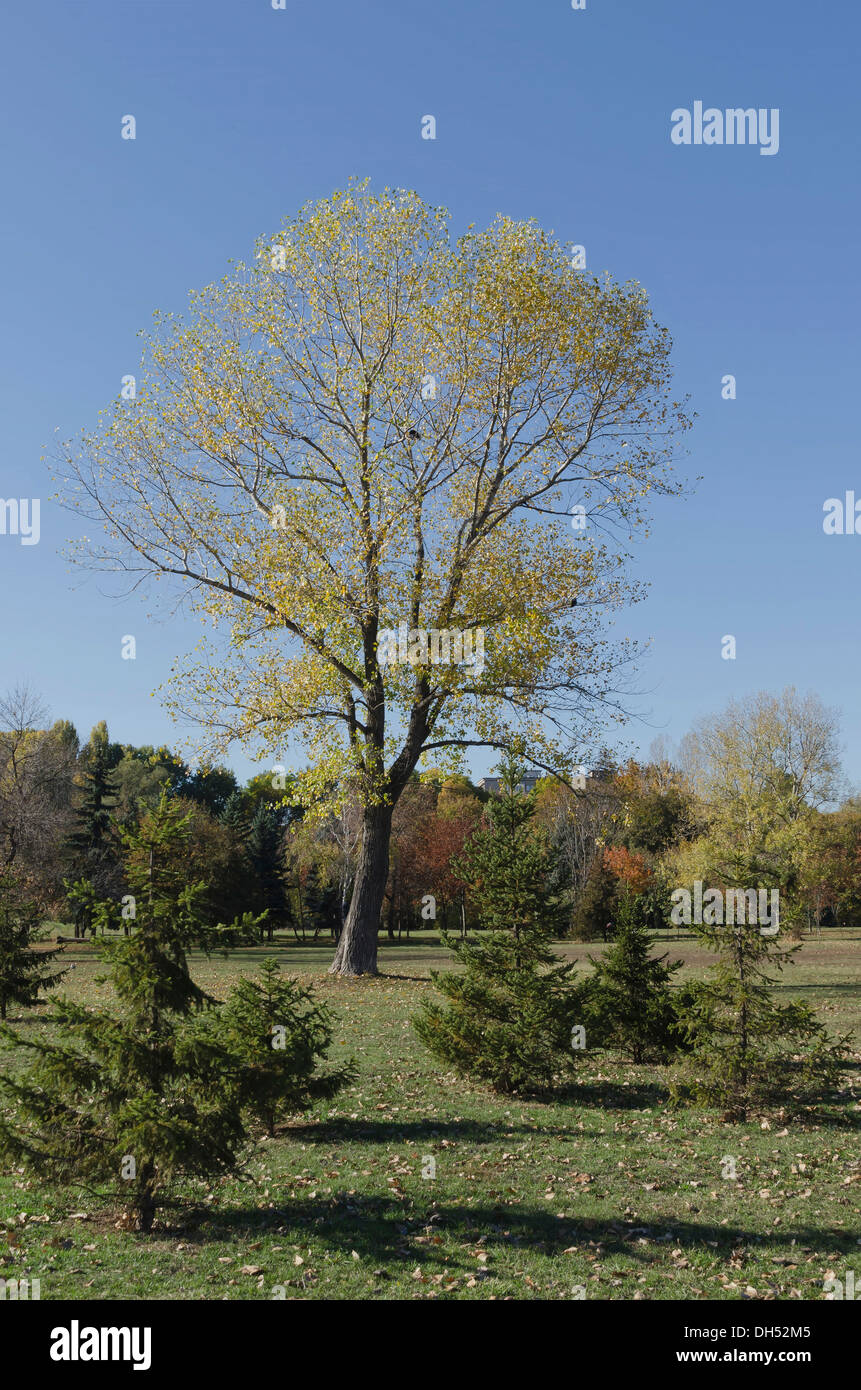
[[602, 1188]]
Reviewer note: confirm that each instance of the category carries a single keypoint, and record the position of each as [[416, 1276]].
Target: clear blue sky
[[244, 112]]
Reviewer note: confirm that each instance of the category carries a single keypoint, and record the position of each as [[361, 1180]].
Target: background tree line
[[751, 799]]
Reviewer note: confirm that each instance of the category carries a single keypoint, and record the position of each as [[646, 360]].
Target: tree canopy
[[372, 426]]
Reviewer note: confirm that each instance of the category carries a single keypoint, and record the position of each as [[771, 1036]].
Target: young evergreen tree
[[235, 892], [748, 1052], [24, 972], [595, 911], [129, 1100], [235, 816], [628, 1004], [510, 1011], [265, 850], [276, 1031], [321, 904], [92, 846]]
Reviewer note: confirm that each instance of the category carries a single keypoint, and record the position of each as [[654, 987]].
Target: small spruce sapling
[[510, 1010], [130, 1100], [24, 972], [277, 1033], [628, 1001], [748, 1052]]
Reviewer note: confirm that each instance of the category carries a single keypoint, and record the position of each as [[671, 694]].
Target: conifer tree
[[595, 912], [265, 850], [236, 889], [276, 1031], [510, 1011], [129, 1100], [92, 847], [235, 817], [747, 1051], [321, 901], [628, 1002], [24, 972]]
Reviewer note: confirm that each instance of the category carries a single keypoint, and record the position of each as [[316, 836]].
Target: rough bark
[[357, 948], [145, 1204]]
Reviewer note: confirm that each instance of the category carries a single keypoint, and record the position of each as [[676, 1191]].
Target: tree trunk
[[357, 948], [299, 910], [145, 1199], [146, 1214]]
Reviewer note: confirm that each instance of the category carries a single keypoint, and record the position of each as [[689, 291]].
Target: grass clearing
[[601, 1187]]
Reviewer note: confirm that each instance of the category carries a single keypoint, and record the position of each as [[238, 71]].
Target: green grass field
[[603, 1188]]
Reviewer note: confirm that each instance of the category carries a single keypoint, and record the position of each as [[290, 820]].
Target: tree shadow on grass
[[25, 1020], [613, 1095], [375, 1131], [413, 979], [604, 1095], [815, 987], [387, 1230]]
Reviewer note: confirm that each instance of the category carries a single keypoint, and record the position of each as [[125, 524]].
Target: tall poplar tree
[[373, 429]]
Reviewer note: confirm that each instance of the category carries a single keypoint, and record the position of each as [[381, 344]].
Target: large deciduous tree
[[37, 768], [763, 768], [370, 426]]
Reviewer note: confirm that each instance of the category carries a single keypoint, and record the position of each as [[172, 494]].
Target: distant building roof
[[529, 779], [526, 783]]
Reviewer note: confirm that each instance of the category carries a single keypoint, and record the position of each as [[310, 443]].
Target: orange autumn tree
[[442, 843], [630, 869]]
